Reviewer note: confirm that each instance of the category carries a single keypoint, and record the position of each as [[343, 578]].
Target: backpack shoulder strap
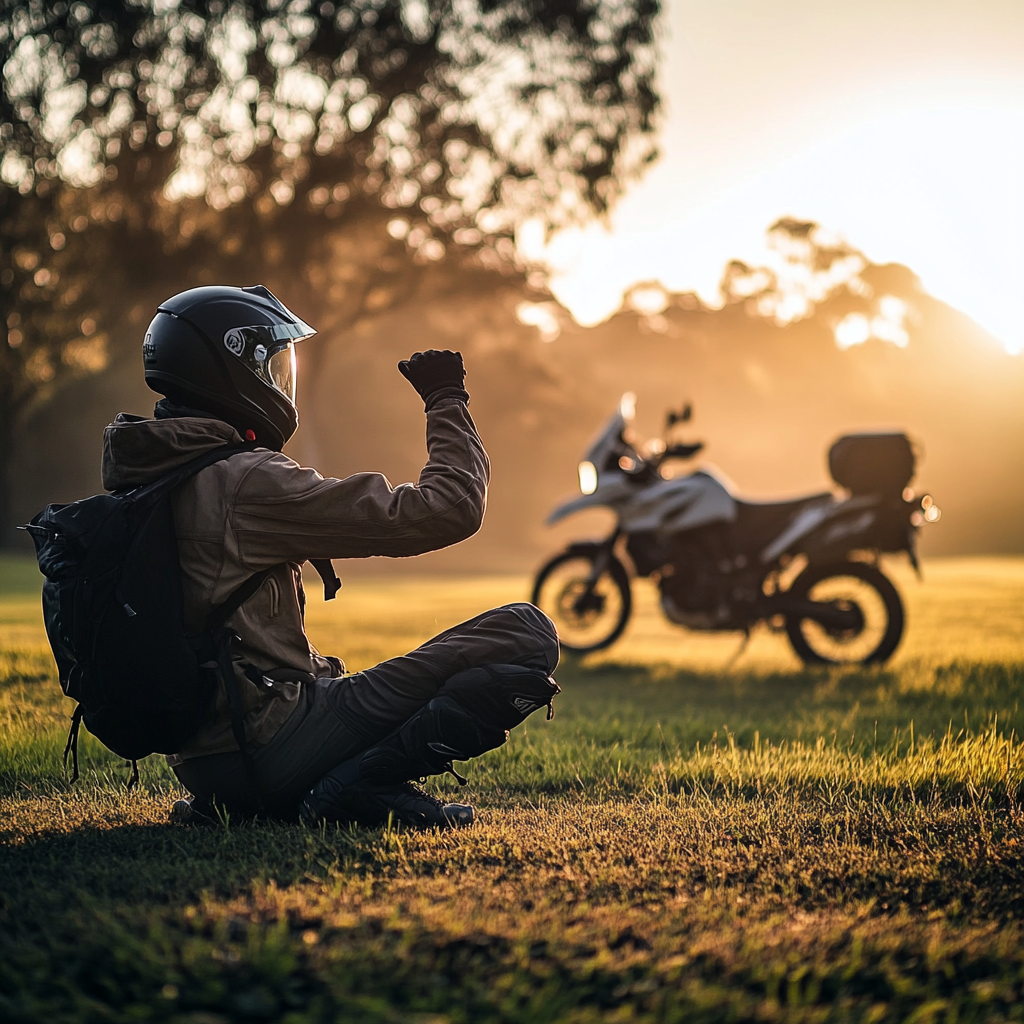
[[222, 640], [156, 489], [325, 567], [238, 597]]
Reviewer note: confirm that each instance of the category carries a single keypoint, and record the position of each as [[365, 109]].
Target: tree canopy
[[817, 273], [327, 150]]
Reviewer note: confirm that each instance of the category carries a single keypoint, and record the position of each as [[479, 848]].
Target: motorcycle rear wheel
[[848, 584], [585, 621]]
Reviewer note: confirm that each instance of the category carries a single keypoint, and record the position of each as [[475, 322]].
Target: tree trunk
[[8, 416]]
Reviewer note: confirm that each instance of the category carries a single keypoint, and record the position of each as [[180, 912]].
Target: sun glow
[[936, 190], [910, 145]]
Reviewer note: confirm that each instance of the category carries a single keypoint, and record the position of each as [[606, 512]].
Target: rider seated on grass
[[320, 744]]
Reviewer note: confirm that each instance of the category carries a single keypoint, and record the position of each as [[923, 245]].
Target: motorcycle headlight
[[588, 477]]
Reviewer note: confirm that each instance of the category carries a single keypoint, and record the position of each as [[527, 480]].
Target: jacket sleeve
[[282, 511]]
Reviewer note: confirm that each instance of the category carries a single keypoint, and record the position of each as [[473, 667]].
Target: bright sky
[[897, 123]]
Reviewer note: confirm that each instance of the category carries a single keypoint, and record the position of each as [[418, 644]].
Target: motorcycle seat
[[758, 523]]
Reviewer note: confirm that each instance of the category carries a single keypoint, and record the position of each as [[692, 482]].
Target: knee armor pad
[[441, 732], [470, 715], [503, 695]]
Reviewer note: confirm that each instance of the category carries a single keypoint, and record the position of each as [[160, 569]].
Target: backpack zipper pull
[[128, 609]]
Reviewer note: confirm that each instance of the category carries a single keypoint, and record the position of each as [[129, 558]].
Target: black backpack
[[112, 607]]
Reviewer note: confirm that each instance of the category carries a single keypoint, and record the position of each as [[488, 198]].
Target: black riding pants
[[338, 718]]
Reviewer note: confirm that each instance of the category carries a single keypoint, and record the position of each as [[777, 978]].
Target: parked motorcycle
[[809, 567]]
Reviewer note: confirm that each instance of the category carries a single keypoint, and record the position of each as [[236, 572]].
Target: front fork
[[598, 567], [604, 557]]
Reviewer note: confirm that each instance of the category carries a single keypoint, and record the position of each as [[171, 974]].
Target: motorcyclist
[[318, 741]]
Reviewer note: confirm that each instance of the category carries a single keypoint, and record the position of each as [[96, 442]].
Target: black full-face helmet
[[230, 352]]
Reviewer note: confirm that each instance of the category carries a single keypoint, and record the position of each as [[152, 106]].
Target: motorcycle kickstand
[[738, 653]]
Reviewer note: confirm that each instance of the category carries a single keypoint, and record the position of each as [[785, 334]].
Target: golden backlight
[[899, 127]]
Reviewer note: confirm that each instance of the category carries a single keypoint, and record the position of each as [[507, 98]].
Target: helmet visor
[[281, 370], [269, 352]]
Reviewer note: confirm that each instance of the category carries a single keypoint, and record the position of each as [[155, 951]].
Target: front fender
[[574, 505]]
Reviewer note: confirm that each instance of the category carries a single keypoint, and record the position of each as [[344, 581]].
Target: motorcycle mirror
[[683, 416]]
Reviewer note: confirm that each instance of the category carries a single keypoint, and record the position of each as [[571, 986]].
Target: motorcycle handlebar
[[682, 451]]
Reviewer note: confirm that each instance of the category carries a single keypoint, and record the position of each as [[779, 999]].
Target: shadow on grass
[[790, 853], [166, 865]]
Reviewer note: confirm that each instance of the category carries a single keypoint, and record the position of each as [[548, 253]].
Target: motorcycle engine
[[701, 586], [649, 550]]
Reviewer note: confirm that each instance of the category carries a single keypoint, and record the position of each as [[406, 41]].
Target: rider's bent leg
[[379, 699], [469, 714], [379, 709]]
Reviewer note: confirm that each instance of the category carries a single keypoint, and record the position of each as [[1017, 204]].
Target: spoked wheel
[[589, 614], [852, 587]]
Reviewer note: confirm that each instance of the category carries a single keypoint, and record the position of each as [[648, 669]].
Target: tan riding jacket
[[260, 509]]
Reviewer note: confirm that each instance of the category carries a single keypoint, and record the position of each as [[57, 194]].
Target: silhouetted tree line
[[332, 151]]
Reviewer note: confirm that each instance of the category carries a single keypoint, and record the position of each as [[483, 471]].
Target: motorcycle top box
[[873, 463], [809, 567]]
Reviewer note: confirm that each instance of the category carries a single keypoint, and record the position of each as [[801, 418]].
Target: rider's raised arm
[[282, 511]]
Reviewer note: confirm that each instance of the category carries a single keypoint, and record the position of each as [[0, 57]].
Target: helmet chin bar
[[187, 401]]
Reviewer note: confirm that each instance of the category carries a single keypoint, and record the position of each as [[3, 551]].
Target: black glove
[[436, 375]]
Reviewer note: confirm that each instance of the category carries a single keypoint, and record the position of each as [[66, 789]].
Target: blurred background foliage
[[332, 152], [376, 164]]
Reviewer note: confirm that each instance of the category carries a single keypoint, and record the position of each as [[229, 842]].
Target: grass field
[[695, 837]]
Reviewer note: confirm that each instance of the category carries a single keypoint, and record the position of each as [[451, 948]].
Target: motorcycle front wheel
[[848, 585], [589, 615]]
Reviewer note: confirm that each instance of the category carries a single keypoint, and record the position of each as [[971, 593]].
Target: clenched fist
[[435, 375]]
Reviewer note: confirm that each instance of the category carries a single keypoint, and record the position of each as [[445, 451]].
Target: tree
[[328, 150], [814, 273]]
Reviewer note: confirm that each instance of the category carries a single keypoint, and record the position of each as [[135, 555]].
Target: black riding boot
[[470, 715]]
